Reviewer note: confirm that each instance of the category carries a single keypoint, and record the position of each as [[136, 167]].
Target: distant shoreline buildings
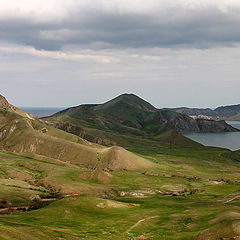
[[204, 117]]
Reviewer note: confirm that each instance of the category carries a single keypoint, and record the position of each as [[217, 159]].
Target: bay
[[229, 140]]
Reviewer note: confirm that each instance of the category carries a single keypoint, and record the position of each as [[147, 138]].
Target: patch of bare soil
[[139, 222], [174, 188], [111, 204], [138, 193]]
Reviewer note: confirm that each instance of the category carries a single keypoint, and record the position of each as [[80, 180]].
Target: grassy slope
[[35, 139], [188, 189], [111, 204], [126, 115]]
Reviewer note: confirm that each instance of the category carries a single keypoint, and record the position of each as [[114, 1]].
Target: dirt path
[[71, 195], [139, 222], [230, 200]]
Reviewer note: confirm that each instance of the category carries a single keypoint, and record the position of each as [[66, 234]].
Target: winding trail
[[230, 200], [139, 222]]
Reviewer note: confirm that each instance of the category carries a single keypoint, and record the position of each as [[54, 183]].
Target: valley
[[119, 120], [142, 184]]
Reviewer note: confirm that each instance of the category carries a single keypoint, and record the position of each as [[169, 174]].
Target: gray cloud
[[170, 52], [167, 78], [173, 27]]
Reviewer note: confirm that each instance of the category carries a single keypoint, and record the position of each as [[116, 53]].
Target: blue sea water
[[230, 140], [40, 111]]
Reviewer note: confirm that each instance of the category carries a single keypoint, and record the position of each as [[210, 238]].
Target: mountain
[[195, 111], [230, 113], [10, 108], [129, 115], [22, 133], [55, 185]]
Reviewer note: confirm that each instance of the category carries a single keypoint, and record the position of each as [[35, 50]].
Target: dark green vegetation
[[59, 186], [128, 116], [177, 200]]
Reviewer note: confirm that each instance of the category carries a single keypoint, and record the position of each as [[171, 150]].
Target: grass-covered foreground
[[191, 193]]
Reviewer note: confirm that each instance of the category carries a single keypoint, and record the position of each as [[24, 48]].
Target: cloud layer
[[57, 24], [171, 52]]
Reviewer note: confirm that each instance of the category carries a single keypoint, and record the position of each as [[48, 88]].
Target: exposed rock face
[[186, 124], [214, 126], [3, 102], [195, 111], [231, 113], [5, 105], [9, 107], [181, 122]]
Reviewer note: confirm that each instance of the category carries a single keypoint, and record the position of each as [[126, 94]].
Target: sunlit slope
[[119, 158], [59, 186], [4, 104], [185, 196], [29, 136], [181, 199]]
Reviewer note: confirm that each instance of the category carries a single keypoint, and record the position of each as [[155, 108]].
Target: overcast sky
[[170, 52]]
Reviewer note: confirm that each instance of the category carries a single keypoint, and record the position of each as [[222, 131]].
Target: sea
[[229, 140], [40, 112]]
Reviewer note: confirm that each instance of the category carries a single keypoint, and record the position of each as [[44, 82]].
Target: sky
[[60, 53]]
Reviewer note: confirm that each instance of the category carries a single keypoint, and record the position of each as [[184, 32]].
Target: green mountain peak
[[127, 100]]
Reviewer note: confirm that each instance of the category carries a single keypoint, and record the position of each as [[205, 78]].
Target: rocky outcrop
[[181, 122], [228, 113], [202, 125], [214, 126], [231, 113], [4, 104], [186, 124], [195, 111]]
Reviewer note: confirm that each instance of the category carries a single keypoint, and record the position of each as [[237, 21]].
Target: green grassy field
[[55, 185], [191, 190]]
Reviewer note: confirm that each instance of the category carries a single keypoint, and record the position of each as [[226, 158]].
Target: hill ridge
[[20, 133], [228, 112], [130, 115], [4, 104], [129, 98]]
